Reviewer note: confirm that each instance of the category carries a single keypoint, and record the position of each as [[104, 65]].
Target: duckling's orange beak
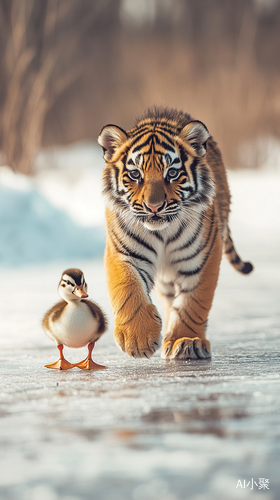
[[80, 292]]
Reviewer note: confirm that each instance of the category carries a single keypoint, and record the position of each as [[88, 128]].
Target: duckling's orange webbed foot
[[62, 363], [88, 364]]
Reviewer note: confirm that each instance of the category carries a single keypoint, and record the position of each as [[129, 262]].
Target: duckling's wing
[[53, 315], [98, 314]]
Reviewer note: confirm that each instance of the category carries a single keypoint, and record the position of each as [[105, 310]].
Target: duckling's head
[[72, 285]]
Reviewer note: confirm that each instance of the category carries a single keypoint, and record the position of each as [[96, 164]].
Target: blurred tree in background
[[70, 66]]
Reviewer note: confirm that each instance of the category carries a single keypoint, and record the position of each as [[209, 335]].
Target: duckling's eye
[[69, 283]]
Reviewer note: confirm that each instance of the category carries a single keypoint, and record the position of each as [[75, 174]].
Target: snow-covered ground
[[142, 429]]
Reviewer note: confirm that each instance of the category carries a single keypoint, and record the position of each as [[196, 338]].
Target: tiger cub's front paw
[[186, 348], [139, 336]]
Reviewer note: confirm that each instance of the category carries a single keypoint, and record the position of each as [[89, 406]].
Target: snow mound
[[34, 230], [70, 178]]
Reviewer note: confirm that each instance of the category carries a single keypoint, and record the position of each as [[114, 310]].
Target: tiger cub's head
[[156, 172]]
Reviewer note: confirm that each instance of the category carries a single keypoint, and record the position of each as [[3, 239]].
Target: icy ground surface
[[142, 429], [148, 429]]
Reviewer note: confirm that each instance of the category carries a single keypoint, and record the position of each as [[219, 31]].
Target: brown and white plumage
[[75, 321]]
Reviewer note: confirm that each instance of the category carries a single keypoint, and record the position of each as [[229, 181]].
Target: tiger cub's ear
[[195, 134], [110, 138]]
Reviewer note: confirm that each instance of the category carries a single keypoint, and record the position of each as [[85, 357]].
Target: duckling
[[74, 322]]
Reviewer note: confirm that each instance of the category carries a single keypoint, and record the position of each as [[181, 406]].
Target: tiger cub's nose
[[154, 208]]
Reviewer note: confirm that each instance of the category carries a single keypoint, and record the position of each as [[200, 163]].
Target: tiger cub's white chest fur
[[76, 326], [180, 252]]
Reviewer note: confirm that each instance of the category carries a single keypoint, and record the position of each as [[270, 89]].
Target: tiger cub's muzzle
[[155, 217]]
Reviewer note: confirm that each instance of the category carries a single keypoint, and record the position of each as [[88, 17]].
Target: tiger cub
[[167, 207]]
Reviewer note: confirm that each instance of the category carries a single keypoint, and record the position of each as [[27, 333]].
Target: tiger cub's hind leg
[[185, 332], [184, 337]]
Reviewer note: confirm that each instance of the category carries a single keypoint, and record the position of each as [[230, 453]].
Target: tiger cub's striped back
[[167, 212]]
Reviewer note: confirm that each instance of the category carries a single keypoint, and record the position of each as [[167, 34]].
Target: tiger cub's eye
[[173, 173], [134, 174]]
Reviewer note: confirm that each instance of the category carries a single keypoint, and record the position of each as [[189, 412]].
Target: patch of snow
[[35, 230], [262, 153], [70, 178], [255, 209]]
